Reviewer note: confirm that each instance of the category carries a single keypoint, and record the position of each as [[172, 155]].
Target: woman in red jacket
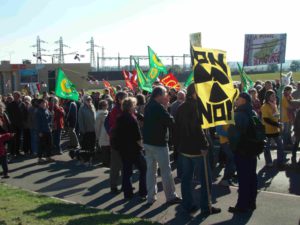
[[3, 154], [58, 124]]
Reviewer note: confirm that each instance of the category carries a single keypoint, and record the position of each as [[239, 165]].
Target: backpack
[[255, 136]]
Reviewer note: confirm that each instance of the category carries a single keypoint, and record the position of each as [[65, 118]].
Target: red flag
[[127, 80], [170, 81], [133, 78], [110, 88]]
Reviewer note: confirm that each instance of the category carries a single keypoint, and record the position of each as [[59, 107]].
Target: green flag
[[143, 82], [189, 80], [156, 66], [245, 79], [64, 87]]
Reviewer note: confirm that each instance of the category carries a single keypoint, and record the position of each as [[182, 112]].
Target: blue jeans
[[286, 134], [280, 154], [247, 178], [3, 161], [188, 166], [34, 141], [56, 140], [230, 165]]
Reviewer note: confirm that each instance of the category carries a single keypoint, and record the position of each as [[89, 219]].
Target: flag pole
[[281, 90], [207, 184]]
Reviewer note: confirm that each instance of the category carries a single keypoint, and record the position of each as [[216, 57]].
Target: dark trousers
[[296, 145], [105, 155], [16, 141], [44, 145], [247, 178], [3, 161], [140, 163], [26, 141], [89, 141], [56, 140]]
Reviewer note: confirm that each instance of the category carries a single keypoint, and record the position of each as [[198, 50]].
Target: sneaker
[[225, 183], [213, 211], [174, 201], [5, 177]]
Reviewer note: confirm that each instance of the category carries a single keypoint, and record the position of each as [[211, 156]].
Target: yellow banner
[[214, 87]]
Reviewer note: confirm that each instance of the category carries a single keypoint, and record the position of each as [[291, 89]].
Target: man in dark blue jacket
[[245, 158], [44, 131], [157, 122]]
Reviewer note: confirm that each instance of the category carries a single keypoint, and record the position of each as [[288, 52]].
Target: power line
[[39, 50]]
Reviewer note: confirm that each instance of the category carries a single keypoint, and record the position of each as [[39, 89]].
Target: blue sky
[[128, 26]]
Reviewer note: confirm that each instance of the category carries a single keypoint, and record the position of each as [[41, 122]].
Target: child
[[3, 155]]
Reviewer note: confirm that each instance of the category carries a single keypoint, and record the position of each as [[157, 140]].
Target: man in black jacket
[[17, 114], [157, 122], [192, 148]]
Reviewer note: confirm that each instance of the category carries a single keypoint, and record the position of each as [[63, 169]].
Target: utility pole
[[39, 50], [61, 54], [92, 52]]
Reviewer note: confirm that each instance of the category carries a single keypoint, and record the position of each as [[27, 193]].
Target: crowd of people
[[137, 130]]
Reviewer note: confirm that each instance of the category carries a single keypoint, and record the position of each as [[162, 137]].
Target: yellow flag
[[214, 87]]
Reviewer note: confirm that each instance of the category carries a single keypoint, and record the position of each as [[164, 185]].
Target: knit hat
[[245, 96]]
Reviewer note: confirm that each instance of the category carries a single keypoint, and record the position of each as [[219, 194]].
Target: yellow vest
[[267, 112], [284, 111]]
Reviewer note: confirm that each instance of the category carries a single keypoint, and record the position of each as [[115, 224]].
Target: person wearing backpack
[[245, 155], [270, 117]]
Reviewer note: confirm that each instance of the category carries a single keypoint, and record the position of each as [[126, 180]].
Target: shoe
[[5, 177], [174, 201], [213, 211], [143, 197], [225, 183], [49, 159], [236, 210], [129, 197], [115, 191], [41, 160]]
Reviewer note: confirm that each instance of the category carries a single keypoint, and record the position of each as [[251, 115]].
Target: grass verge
[[19, 207]]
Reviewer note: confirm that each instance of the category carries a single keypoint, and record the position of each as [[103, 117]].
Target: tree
[[295, 66], [273, 68]]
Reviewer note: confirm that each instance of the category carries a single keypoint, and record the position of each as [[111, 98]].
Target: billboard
[[28, 76], [264, 49]]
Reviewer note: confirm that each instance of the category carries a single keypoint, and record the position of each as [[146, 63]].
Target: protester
[[86, 120], [26, 127], [173, 95], [16, 112], [71, 123], [58, 124], [141, 102], [296, 93], [3, 154], [174, 106], [193, 149], [44, 131], [101, 133], [157, 121], [245, 160], [116, 161], [287, 117], [270, 118], [297, 138], [262, 92], [255, 101], [33, 126], [127, 141]]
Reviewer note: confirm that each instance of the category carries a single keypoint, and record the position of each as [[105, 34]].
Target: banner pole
[[207, 184], [280, 94]]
